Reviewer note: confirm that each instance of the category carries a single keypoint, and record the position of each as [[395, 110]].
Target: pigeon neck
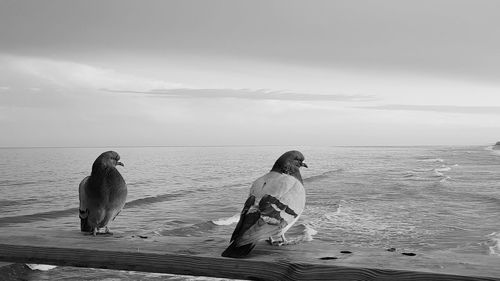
[[99, 169], [288, 170]]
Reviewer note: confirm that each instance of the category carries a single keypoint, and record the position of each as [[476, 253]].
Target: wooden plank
[[171, 255], [207, 266]]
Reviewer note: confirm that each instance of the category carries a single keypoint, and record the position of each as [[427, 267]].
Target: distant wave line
[[67, 212], [8, 183], [154, 199], [323, 175], [37, 216], [131, 204]]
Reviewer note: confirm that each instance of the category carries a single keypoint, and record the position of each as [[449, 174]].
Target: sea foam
[[438, 160], [439, 171], [443, 169], [308, 233], [227, 221], [300, 232], [494, 243]]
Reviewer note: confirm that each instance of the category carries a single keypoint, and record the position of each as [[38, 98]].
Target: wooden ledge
[[201, 257]]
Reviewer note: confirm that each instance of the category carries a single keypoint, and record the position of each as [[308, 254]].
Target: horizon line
[[236, 145]]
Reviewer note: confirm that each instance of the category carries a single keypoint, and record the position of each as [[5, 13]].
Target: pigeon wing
[[82, 192], [275, 202], [117, 189], [283, 192], [84, 205]]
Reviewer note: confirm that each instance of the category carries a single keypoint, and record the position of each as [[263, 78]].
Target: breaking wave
[[308, 233], [429, 174]]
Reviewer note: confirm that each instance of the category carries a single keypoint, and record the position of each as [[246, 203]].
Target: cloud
[[74, 75], [438, 108], [249, 94], [326, 33]]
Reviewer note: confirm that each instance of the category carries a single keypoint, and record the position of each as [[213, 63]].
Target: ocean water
[[418, 198]]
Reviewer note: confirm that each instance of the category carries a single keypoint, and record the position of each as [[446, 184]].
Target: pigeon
[[275, 203], [102, 194]]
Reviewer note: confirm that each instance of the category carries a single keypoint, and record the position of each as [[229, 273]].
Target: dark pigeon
[[102, 194]]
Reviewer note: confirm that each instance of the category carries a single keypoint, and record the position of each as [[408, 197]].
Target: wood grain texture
[[207, 266], [172, 255]]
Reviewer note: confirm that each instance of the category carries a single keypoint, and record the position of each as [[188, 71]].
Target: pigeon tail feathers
[[234, 251], [84, 225], [84, 221]]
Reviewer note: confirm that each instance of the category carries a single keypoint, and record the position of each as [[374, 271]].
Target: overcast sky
[[111, 73]]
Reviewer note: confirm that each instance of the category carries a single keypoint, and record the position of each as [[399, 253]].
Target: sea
[[420, 198]]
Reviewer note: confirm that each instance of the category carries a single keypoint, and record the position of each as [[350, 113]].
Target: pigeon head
[[106, 160], [290, 163]]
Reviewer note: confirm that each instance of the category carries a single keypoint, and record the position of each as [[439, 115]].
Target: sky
[[134, 73]]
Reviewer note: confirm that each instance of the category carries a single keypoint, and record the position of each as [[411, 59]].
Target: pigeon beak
[[120, 163], [303, 165]]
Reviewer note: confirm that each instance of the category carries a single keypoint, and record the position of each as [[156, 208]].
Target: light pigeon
[[275, 203]]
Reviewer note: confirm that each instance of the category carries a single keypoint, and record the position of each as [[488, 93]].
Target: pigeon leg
[[273, 242], [283, 239], [270, 240], [285, 242], [107, 231], [282, 242], [94, 231]]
